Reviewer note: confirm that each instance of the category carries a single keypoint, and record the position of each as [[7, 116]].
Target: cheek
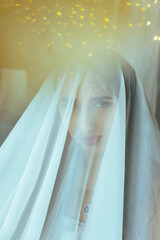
[[105, 119], [73, 126]]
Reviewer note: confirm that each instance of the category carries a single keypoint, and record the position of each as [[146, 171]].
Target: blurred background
[[37, 34]]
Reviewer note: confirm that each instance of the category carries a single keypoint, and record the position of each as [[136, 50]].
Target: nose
[[86, 121]]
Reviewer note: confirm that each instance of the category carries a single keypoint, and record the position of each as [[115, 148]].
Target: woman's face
[[92, 115]]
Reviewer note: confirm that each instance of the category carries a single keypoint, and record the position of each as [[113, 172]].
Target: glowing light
[[115, 27], [155, 2], [144, 9], [81, 25], [74, 22], [107, 20], [92, 23], [159, 38], [149, 5], [48, 44], [138, 4], [100, 35], [44, 18], [156, 38], [82, 9], [130, 25], [27, 8], [128, 3], [34, 20], [84, 43], [82, 17], [90, 54], [52, 42], [59, 34], [148, 23], [59, 13]]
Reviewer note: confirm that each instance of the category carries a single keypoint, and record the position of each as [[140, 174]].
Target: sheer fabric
[[83, 161]]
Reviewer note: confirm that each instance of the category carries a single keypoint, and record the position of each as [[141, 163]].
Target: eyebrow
[[92, 99], [102, 98]]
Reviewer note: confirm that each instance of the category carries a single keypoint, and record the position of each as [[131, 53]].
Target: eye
[[102, 104]]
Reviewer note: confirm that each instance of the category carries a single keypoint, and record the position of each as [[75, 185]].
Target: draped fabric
[[35, 34], [83, 161]]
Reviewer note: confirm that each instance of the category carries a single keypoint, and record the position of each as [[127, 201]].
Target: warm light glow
[[88, 20], [59, 13], [107, 20], [144, 9]]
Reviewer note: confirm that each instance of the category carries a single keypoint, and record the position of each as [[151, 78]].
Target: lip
[[91, 140]]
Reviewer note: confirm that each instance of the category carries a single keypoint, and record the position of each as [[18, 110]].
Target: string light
[[97, 19], [107, 20], [59, 13], [129, 3], [157, 38]]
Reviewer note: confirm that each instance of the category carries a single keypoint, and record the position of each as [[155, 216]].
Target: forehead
[[89, 85]]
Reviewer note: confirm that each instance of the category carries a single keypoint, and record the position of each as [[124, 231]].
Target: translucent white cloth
[[88, 138]]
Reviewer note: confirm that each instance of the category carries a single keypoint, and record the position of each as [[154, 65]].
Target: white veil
[[83, 161]]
